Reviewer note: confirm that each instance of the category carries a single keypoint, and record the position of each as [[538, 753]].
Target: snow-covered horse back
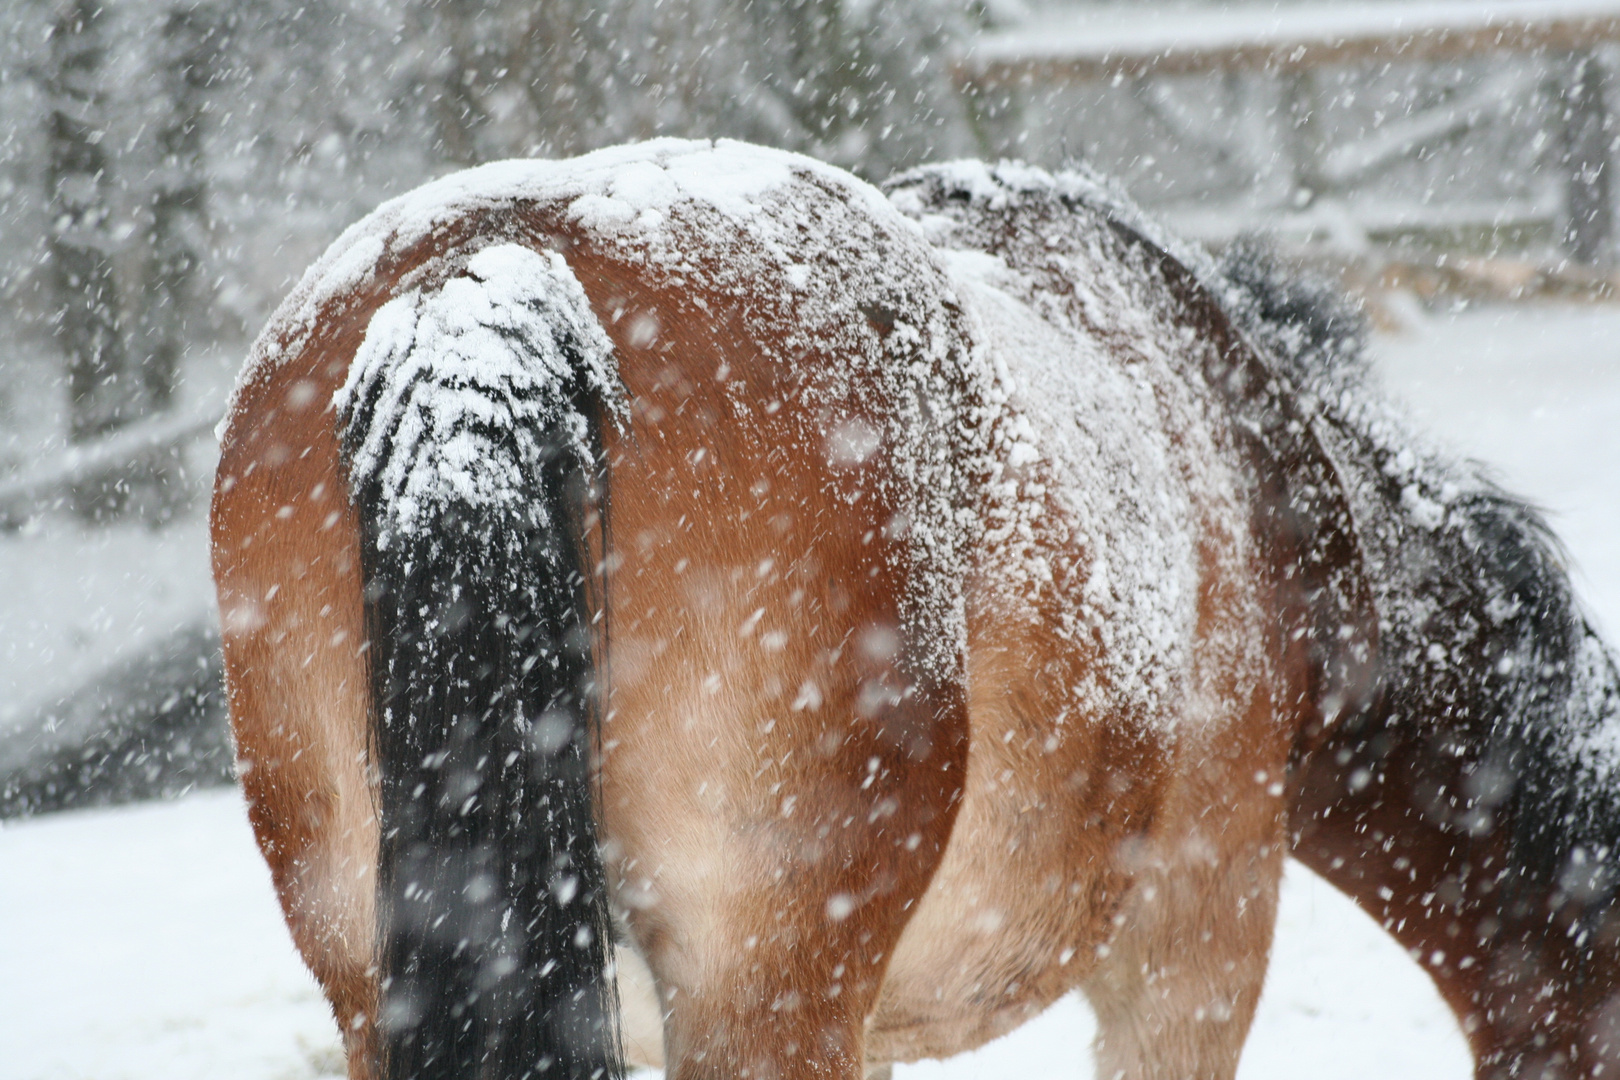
[[876, 616]]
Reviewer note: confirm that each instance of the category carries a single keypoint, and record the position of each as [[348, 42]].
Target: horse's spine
[[471, 429]]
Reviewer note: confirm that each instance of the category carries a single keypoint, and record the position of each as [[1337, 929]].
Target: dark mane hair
[[1308, 326], [1484, 647]]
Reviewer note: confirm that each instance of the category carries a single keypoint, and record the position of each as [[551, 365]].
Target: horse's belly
[[976, 963], [1055, 808], [1014, 920]]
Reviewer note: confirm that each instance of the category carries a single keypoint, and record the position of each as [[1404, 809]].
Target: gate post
[[1588, 205]]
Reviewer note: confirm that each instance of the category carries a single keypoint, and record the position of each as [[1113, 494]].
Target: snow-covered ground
[[144, 943]]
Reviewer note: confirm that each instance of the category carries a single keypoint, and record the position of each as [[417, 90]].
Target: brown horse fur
[[885, 765]]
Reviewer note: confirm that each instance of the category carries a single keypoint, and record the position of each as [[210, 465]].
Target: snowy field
[[144, 943]]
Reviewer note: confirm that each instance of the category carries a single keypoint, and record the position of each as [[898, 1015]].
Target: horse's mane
[[1306, 325], [1484, 654], [1481, 633]]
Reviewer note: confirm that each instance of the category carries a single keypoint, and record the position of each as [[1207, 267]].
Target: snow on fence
[[1289, 43], [1137, 41]]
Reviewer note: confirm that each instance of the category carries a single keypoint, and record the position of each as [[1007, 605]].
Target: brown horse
[[877, 617]]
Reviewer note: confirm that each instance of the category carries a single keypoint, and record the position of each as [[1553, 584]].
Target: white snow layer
[[1111, 481], [1168, 29], [145, 943], [1106, 446]]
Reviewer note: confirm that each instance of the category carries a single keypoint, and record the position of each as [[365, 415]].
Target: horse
[[684, 606]]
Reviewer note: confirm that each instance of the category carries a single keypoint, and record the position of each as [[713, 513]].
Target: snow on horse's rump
[[876, 615]]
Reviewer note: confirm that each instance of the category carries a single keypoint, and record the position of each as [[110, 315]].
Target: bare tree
[[102, 390], [118, 374], [1589, 207], [185, 62], [865, 85]]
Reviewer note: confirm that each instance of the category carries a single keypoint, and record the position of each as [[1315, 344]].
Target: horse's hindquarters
[[780, 765], [778, 652]]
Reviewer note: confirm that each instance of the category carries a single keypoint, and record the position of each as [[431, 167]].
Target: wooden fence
[[1290, 44]]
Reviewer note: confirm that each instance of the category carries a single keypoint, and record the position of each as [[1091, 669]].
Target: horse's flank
[[1471, 807]]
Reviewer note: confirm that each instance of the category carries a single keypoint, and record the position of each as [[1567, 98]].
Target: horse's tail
[[471, 426]]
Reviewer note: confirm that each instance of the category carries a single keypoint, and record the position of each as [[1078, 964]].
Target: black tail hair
[[493, 927]]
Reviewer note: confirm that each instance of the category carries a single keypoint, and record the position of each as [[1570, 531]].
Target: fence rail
[[1145, 41], [39, 486]]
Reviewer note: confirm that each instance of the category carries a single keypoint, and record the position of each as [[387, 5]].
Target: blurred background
[[169, 167]]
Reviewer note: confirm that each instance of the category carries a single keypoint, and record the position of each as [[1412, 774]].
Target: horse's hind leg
[[1176, 989], [768, 909], [774, 813], [311, 811], [286, 563]]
